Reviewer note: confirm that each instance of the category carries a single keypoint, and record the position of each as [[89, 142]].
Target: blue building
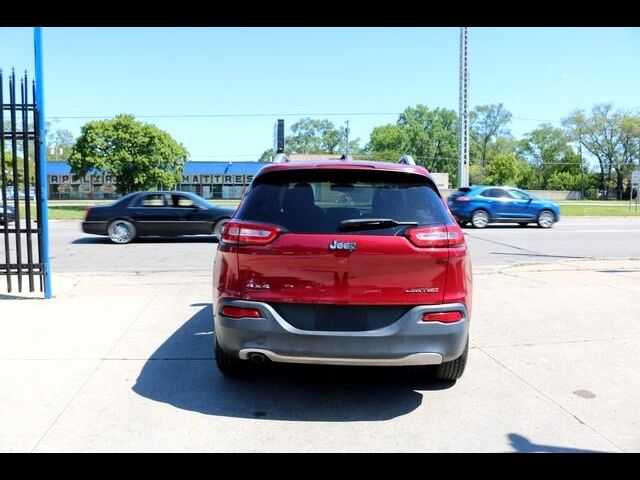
[[208, 179]]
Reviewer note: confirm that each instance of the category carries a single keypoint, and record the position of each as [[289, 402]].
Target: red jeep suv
[[342, 263]]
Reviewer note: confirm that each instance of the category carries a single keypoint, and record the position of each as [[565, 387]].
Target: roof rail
[[281, 158], [346, 156], [407, 160]]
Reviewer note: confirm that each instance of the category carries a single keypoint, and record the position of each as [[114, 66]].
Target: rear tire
[[121, 231], [453, 370], [480, 219], [230, 365]]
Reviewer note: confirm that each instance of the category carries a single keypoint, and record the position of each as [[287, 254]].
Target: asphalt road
[[572, 238]]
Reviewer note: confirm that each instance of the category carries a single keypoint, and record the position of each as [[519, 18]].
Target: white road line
[[608, 231], [594, 224]]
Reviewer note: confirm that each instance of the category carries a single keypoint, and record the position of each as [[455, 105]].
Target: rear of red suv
[[342, 263]]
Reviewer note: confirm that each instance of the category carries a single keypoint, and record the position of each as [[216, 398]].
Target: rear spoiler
[[404, 159]]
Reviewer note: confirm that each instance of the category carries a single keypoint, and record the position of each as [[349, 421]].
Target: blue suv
[[482, 205]]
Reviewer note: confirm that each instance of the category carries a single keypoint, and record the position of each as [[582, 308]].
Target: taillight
[[249, 233], [240, 312], [444, 317], [463, 199], [436, 237], [86, 213]]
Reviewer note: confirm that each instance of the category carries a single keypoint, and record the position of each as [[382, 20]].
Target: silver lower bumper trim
[[413, 359]]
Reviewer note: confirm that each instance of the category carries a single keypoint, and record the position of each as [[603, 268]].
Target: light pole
[[463, 149], [581, 170]]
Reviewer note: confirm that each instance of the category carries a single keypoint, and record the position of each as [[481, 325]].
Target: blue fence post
[[44, 221]]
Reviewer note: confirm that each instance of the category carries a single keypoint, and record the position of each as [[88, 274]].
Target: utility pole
[[581, 171], [463, 149], [346, 148]]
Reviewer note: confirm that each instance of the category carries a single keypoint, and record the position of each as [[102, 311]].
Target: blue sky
[[537, 73]]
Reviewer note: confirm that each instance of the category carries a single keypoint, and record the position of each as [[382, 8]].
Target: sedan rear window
[[305, 201]]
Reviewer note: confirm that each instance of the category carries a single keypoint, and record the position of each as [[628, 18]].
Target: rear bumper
[[95, 228], [408, 341]]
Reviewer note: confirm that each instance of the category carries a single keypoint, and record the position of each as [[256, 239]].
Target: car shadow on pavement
[[186, 239], [523, 445], [182, 372]]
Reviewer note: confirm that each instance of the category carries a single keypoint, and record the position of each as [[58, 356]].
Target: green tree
[[386, 142], [613, 137], [503, 169], [268, 155], [312, 135], [430, 136], [138, 155], [487, 123], [527, 177], [565, 181], [8, 171], [59, 144], [477, 174], [19, 156], [549, 151]]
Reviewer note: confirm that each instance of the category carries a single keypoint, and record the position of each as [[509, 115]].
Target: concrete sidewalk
[[124, 363]]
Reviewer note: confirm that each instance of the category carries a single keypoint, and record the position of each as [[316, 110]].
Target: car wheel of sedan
[[480, 219], [121, 231], [546, 219], [217, 229]]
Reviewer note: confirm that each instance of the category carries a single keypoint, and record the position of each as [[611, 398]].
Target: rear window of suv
[[303, 201]]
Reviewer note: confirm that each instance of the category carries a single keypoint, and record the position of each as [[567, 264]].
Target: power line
[[253, 155], [536, 120], [229, 115], [257, 115]]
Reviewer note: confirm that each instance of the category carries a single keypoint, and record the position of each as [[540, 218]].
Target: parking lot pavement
[[124, 363]]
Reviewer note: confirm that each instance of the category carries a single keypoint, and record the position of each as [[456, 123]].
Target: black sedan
[[142, 214], [11, 216]]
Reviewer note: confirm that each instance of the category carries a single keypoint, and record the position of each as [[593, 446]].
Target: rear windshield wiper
[[371, 223]]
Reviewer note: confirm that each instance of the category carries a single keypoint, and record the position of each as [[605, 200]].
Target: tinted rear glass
[[318, 201]]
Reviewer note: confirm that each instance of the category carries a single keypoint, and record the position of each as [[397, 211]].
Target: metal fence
[[20, 202]]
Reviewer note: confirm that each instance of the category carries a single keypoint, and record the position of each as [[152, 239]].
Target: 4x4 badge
[[336, 245]]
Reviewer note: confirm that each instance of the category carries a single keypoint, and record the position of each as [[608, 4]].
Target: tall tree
[[432, 136], [503, 169], [19, 181], [268, 155], [549, 151], [59, 144], [613, 137], [138, 155], [487, 123], [312, 135], [387, 142]]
